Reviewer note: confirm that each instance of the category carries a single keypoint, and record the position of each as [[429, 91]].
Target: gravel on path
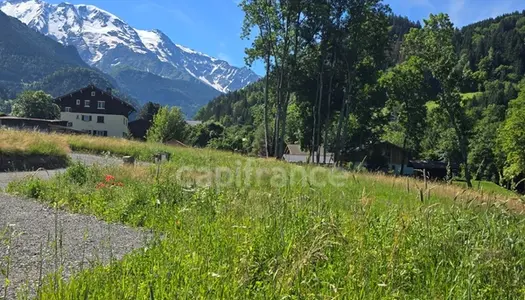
[[29, 232], [88, 159]]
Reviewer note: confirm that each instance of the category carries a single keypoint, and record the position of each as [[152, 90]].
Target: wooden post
[[128, 160]]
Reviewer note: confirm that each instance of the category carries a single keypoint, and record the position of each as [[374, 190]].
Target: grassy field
[[488, 187], [235, 227], [30, 143]]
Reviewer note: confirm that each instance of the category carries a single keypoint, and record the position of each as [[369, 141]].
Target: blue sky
[[214, 26]]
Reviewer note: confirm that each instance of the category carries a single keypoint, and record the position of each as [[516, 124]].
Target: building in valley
[[295, 154], [34, 124], [95, 111]]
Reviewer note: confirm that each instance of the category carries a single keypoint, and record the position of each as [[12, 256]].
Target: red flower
[[100, 185], [110, 178]]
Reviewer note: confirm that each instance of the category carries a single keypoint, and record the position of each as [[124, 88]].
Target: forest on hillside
[[347, 74]]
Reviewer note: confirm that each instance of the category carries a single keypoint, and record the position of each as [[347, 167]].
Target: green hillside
[[188, 93], [30, 60]]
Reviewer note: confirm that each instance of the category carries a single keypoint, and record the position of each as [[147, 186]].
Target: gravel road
[[6, 177], [28, 231]]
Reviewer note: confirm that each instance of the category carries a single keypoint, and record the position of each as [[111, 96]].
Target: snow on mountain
[[105, 41], [214, 72]]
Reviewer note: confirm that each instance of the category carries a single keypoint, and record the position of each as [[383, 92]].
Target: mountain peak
[[105, 41]]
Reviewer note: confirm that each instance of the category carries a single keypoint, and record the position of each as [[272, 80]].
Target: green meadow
[[228, 226]]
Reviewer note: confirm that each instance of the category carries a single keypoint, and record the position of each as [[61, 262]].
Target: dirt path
[[29, 232], [89, 159]]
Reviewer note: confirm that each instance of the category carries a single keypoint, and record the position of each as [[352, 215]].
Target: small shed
[[294, 153], [31, 123], [383, 156], [434, 169], [139, 128]]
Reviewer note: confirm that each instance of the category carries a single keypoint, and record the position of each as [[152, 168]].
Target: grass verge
[[29, 150]]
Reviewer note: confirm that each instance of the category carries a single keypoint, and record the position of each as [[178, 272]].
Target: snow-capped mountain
[[217, 73], [105, 41]]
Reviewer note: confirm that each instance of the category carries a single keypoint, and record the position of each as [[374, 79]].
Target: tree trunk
[[342, 117], [327, 125], [283, 127], [329, 103], [267, 84], [278, 111], [464, 153], [314, 127], [339, 130], [318, 131], [463, 143], [402, 170]]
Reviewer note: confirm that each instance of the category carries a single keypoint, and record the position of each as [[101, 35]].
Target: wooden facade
[[112, 104], [95, 111]]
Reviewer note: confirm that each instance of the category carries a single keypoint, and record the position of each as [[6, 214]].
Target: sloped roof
[[93, 87], [295, 149], [193, 122]]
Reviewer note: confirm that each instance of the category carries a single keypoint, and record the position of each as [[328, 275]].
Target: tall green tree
[[168, 124], [262, 15], [434, 44], [149, 110], [511, 139], [364, 40], [35, 104], [406, 89]]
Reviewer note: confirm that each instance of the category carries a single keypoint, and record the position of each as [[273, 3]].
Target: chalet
[[435, 169], [95, 111], [382, 156], [293, 153]]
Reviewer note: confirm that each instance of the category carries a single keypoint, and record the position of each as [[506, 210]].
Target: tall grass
[[372, 237], [31, 143]]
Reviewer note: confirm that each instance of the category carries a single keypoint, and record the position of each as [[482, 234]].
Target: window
[[68, 109], [100, 119], [87, 118], [101, 105], [78, 101], [86, 103], [93, 94], [69, 124], [100, 132]]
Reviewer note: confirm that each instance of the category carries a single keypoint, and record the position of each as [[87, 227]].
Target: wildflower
[[110, 178], [100, 185]]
